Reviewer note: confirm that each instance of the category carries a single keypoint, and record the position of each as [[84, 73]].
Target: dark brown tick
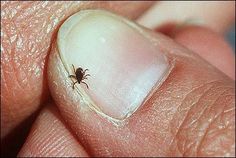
[[79, 76]]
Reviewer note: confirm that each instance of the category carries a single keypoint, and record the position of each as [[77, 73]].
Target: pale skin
[[73, 134]]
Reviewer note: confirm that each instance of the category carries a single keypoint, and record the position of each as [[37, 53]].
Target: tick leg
[[85, 84], [74, 84], [73, 76], [85, 71], [73, 68], [86, 75]]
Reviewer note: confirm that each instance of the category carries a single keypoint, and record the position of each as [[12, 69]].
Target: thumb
[[146, 95]]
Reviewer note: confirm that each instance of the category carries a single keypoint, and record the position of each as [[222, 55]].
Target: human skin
[[24, 86], [184, 117], [28, 57], [35, 94]]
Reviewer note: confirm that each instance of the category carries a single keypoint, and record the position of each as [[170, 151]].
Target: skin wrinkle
[[16, 30], [17, 8], [220, 115], [195, 147], [206, 107], [56, 142], [209, 123], [207, 132], [11, 61], [18, 79], [229, 110], [187, 116], [14, 64], [184, 100], [56, 147], [180, 129], [26, 12], [203, 111], [193, 105], [32, 146], [221, 133], [44, 146]]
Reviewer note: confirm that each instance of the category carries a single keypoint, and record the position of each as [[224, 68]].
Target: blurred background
[[230, 36]]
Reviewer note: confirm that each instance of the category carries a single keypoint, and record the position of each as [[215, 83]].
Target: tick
[[79, 76]]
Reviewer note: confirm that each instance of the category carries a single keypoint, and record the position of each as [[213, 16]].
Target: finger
[[11, 144], [50, 137], [209, 45], [27, 31], [216, 15], [147, 95]]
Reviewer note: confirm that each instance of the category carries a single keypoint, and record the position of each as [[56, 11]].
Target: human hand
[[185, 74]]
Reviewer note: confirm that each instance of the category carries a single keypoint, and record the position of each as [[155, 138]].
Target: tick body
[[79, 76]]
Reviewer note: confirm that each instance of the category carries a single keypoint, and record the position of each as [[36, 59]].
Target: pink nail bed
[[124, 65]]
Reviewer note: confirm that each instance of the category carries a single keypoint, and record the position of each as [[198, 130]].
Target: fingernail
[[124, 66]]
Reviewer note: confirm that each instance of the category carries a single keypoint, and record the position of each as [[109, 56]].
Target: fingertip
[[209, 45], [50, 137]]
